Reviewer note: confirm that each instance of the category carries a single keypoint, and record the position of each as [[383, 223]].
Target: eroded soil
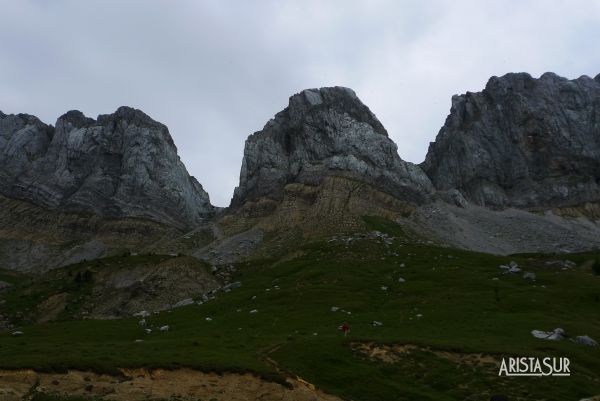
[[142, 385]]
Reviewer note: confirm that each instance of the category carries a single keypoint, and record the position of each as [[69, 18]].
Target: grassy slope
[[462, 309], [28, 291]]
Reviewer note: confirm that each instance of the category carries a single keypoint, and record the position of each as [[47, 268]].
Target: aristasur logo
[[531, 366]]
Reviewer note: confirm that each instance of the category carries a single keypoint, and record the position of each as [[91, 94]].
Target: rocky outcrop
[[325, 132], [34, 238], [522, 142], [121, 165]]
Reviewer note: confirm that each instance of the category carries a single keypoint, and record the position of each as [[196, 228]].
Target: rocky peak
[[338, 98], [521, 142], [121, 165], [75, 119], [325, 132]]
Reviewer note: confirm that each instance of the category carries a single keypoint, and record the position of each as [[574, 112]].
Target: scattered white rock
[[164, 328], [402, 265], [511, 268], [376, 323], [143, 313], [184, 302], [208, 319], [138, 341], [401, 280], [253, 311], [142, 322], [17, 333], [148, 331], [529, 276], [335, 308], [555, 335], [586, 340], [232, 286], [495, 278], [419, 315], [384, 288]]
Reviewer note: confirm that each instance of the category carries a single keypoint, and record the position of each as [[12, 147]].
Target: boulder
[[184, 302], [555, 335], [586, 340]]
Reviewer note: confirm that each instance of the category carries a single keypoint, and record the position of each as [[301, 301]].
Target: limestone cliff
[[325, 132], [121, 165], [522, 142]]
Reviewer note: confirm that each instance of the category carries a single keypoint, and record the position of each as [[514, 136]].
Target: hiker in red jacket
[[345, 328]]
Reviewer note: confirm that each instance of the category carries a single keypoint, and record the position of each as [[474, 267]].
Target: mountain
[[325, 162], [522, 142], [91, 188], [147, 285], [325, 132], [121, 165], [318, 167]]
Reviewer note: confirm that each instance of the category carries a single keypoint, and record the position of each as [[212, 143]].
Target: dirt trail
[[143, 385]]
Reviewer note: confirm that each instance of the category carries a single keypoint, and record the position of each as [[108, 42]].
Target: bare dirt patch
[[394, 354], [143, 385], [52, 307]]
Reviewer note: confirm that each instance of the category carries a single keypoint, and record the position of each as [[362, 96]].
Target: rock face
[[522, 142], [325, 132], [121, 165]]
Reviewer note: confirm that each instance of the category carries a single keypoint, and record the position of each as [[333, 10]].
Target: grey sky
[[216, 71]]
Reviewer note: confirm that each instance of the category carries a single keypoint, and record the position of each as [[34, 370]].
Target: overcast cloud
[[216, 71]]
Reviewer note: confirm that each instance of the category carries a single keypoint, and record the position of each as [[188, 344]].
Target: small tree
[[87, 276], [596, 267]]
